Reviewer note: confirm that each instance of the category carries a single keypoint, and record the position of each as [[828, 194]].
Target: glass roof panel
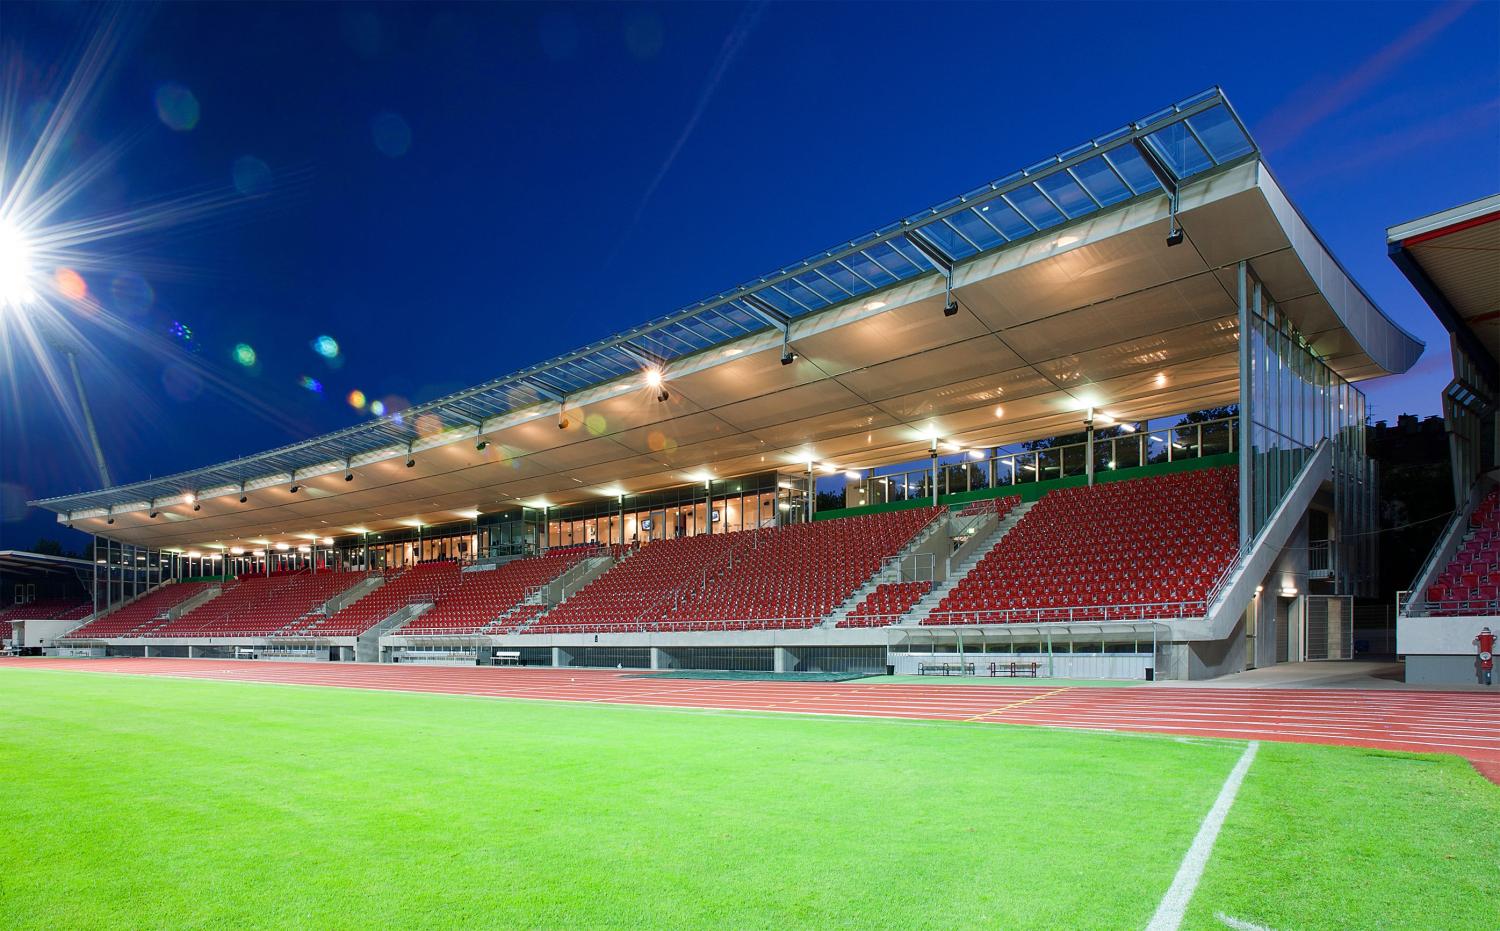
[[976, 230], [1068, 195], [1219, 131], [822, 287], [781, 302], [1037, 209], [898, 255], [1101, 182], [948, 240], [1179, 150], [1005, 219], [1134, 169], [861, 264]]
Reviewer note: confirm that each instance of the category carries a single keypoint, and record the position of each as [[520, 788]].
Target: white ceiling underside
[[1099, 313]]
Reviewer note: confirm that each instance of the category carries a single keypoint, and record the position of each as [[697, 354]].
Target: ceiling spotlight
[[411, 463], [482, 445], [348, 476], [244, 498], [153, 515], [788, 357], [295, 488], [563, 422], [663, 396], [653, 377], [197, 507], [950, 309]]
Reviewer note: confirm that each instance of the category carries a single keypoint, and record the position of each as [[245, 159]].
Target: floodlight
[[295, 488], [482, 445], [348, 476], [15, 266]]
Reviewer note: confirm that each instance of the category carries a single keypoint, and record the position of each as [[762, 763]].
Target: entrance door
[[1283, 629]]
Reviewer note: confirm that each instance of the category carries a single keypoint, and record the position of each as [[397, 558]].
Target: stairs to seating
[[959, 571], [889, 573]]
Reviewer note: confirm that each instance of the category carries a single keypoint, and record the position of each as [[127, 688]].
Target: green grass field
[[143, 802]]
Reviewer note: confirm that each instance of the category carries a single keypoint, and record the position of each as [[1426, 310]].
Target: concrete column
[[659, 658], [812, 492], [1088, 426], [784, 660], [559, 658]]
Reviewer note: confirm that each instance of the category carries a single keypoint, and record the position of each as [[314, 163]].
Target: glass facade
[[709, 507], [1292, 401]]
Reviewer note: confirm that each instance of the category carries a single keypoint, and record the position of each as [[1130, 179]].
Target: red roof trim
[[1455, 228]]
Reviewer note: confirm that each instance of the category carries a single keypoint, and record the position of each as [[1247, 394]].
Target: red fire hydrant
[[1486, 642]]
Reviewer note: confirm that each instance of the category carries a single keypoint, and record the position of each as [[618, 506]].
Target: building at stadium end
[[1451, 259], [1099, 417]]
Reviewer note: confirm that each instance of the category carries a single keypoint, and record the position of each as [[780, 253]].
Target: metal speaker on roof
[[197, 507], [348, 476], [950, 309], [1174, 238], [563, 423], [295, 488], [411, 463], [244, 498], [788, 357], [482, 445], [663, 396], [153, 515]]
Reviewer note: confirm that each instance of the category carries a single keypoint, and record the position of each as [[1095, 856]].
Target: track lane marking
[[1017, 704]]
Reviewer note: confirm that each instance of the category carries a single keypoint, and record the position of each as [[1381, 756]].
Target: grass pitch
[[146, 802]]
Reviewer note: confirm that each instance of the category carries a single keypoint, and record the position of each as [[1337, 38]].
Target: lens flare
[[356, 399], [391, 134], [377, 408], [311, 384], [326, 346], [177, 107], [244, 354], [70, 284]]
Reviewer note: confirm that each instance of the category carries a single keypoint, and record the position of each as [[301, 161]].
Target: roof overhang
[[1452, 258], [22, 562], [1097, 311]]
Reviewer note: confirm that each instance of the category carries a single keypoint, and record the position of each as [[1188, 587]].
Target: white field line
[[1237, 924], [1174, 904]]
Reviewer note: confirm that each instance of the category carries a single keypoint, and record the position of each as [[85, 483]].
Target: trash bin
[[890, 669], [1150, 674]]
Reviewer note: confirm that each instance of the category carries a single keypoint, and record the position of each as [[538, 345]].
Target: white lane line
[[1174, 904]]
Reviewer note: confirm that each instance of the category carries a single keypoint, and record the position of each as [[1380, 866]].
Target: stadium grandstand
[[1100, 414], [43, 596], [1449, 258]]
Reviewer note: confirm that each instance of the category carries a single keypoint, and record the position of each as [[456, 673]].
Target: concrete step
[[939, 524]]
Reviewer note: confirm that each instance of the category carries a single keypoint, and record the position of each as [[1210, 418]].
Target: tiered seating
[[641, 588], [47, 609], [753, 579], [795, 576], [1143, 548], [483, 596], [126, 621], [426, 581], [886, 604], [53, 609], [1471, 582], [258, 605]]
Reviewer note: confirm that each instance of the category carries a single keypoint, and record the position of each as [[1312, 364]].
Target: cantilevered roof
[[1068, 295], [1452, 258]]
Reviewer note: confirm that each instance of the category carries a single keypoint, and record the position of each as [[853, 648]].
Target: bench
[[945, 669], [1014, 670]]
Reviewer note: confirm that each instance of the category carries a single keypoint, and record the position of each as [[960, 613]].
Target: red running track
[[1462, 723]]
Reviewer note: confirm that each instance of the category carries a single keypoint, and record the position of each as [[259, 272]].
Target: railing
[[1082, 614], [1320, 559], [1442, 552], [1142, 447]]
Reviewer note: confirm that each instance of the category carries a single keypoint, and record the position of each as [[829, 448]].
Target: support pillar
[[559, 658], [1088, 426], [1246, 465], [783, 660], [934, 458], [812, 492], [659, 658]]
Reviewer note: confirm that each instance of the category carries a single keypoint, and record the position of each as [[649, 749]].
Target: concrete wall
[[1441, 650]]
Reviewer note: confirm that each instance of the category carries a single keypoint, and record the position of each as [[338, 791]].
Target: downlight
[[295, 488]]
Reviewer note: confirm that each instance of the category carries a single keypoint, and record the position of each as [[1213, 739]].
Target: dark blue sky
[[454, 192]]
